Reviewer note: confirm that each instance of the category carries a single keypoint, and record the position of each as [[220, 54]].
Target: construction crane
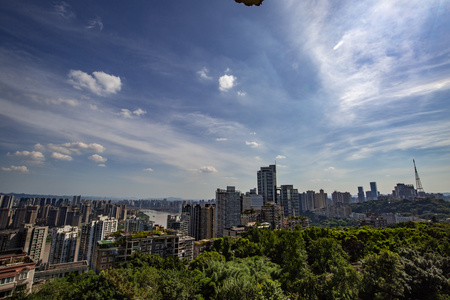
[[419, 187]]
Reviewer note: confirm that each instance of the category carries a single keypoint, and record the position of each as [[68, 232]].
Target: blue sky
[[178, 98]]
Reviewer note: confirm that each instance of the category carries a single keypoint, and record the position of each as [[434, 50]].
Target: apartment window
[[23, 275], [105, 259], [7, 280]]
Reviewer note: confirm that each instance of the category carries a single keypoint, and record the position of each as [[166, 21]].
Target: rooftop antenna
[[419, 187]]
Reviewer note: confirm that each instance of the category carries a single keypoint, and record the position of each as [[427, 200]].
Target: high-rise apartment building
[[92, 232], [207, 221], [5, 218], [361, 197], [228, 209], [64, 245], [201, 220], [373, 191], [138, 224], [7, 201], [76, 200], [252, 200], [320, 199], [273, 213], [267, 183], [179, 223], [290, 200], [33, 241], [19, 217]]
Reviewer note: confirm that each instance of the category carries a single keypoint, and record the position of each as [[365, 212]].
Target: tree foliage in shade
[[406, 261]]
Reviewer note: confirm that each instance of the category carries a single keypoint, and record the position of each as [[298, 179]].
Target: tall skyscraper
[[361, 197], [207, 221], [92, 232], [7, 201], [267, 183], [64, 245], [33, 241], [5, 218], [19, 217], [202, 220], [373, 191], [320, 199], [228, 209], [290, 200], [76, 200]]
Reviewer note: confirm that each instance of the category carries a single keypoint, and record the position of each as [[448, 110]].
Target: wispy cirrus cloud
[[72, 147], [58, 101], [19, 169], [205, 169], [95, 22], [203, 74]]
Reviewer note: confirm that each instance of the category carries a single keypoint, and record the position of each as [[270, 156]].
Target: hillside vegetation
[[422, 208], [410, 261]]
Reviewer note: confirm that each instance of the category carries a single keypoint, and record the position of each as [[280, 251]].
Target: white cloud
[[60, 156], [58, 101], [69, 148], [329, 169], [252, 133], [226, 82], [97, 158], [205, 169], [148, 170], [221, 139], [101, 165], [241, 93], [20, 169], [64, 10], [252, 144], [128, 114], [33, 156], [139, 112], [97, 22], [280, 157], [100, 83], [203, 73]]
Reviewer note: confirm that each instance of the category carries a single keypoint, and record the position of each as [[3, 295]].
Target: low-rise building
[[50, 272], [291, 222], [16, 272], [374, 220], [110, 253]]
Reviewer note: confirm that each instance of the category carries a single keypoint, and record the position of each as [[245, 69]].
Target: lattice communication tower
[[419, 187]]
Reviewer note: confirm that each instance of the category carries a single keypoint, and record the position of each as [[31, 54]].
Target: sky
[[150, 99]]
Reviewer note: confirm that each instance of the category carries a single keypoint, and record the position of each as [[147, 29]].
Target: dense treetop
[[406, 261]]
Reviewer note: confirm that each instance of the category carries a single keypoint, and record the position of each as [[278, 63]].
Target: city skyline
[[178, 99]]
